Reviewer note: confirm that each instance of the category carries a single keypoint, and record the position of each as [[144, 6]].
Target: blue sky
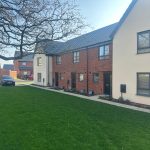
[[99, 13]]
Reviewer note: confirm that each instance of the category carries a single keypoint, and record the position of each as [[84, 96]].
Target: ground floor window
[[25, 73], [95, 77], [39, 77], [81, 77], [143, 84], [60, 76]]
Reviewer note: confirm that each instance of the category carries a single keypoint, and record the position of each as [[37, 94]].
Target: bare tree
[[24, 23]]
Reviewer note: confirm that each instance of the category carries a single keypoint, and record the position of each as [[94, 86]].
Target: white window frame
[[106, 52], [76, 57]]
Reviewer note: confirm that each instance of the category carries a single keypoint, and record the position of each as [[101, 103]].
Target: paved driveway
[[23, 82]]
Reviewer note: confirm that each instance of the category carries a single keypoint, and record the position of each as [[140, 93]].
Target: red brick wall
[[98, 66], [17, 64], [3, 72], [67, 66], [94, 66]]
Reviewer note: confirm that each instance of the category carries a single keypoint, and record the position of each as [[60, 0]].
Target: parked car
[[7, 80]]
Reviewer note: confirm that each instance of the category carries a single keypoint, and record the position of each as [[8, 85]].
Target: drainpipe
[[48, 72], [87, 70]]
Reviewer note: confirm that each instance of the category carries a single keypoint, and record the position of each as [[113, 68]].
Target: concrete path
[[95, 98], [20, 82]]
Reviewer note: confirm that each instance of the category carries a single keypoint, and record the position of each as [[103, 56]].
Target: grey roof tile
[[29, 57], [95, 37], [25, 67], [8, 67]]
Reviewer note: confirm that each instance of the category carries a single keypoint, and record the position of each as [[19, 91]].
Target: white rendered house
[[42, 70], [43, 63], [131, 53]]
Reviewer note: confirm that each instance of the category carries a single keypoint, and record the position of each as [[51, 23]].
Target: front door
[[56, 79], [107, 83], [73, 80]]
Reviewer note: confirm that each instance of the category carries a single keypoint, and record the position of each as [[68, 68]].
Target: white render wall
[[126, 62], [43, 69]]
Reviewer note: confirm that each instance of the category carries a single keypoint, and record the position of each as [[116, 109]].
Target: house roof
[[29, 57], [125, 15], [54, 47], [8, 67], [25, 68], [95, 37]]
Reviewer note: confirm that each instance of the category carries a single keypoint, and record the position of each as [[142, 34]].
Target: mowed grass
[[34, 119]]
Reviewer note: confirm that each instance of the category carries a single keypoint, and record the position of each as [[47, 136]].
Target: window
[[39, 61], [95, 77], [24, 63], [39, 77], [143, 84], [143, 42], [76, 57], [25, 73], [60, 76], [81, 77], [58, 59], [104, 52]]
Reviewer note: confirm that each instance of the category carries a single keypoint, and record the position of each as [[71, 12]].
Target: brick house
[[24, 66], [113, 60], [83, 64], [8, 67], [3, 72]]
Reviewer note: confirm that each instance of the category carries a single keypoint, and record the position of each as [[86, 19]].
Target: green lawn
[[34, 119]]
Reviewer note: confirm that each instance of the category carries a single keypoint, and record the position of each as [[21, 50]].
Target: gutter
[[48, 72], [87, 70]]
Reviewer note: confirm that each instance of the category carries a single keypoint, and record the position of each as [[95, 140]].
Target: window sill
[[75, 62], [143, 50], [143, 53], [104, 58], [143, 95]]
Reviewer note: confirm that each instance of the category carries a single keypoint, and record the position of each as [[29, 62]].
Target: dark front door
[[107, 83], [56, 79], [73, 80]]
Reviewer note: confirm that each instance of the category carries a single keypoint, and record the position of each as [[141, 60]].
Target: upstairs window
[[104, 52], [76, 57], [143, 42], [143, 84], [58, 59], [24, 63], [39, 61]]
